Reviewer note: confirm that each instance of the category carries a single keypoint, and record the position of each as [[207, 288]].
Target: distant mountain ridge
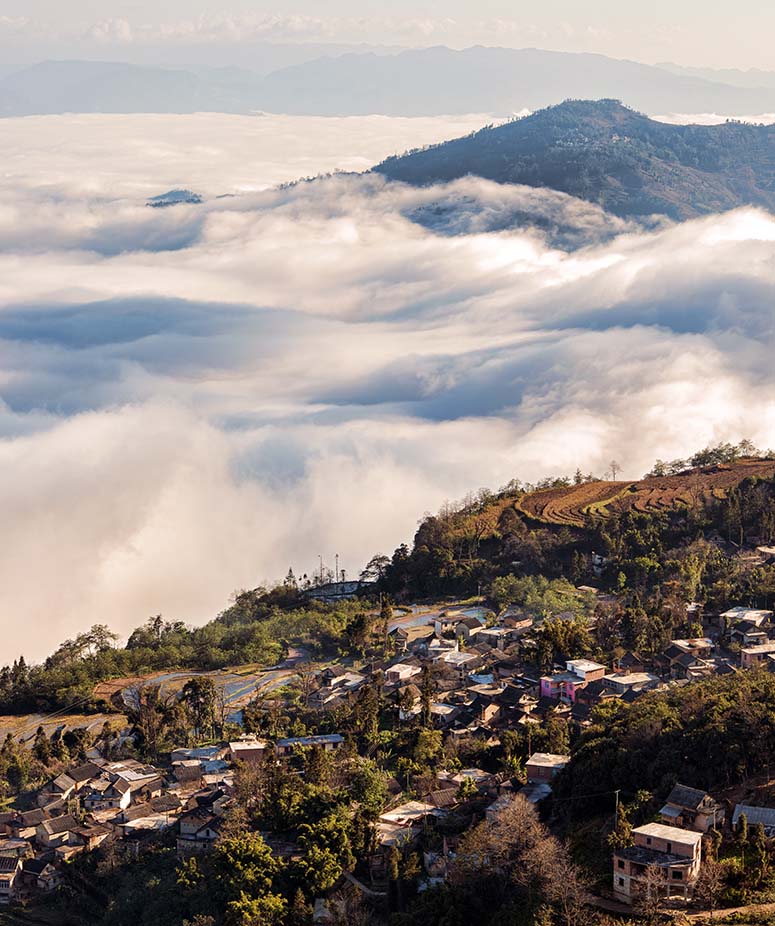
[[610, 155], [418, 82]]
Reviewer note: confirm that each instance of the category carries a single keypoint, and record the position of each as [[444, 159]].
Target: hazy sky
[[695, 32]]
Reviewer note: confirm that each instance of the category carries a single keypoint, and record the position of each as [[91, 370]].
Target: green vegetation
[[256, 628]]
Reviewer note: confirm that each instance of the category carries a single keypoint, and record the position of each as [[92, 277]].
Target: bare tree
[[652, 888], [306, 681], [615, 469], [566, 890], [709, 885]]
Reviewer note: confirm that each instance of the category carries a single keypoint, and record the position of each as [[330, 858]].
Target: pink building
[[563, 685]]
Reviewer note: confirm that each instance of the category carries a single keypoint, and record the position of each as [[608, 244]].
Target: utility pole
[[320, 557], [336, 574], [616, 811]]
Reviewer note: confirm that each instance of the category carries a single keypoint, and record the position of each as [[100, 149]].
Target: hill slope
[[606, 153], [572, 506]]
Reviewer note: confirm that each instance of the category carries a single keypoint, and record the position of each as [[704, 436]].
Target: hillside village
[[465, 672], [397, 744]]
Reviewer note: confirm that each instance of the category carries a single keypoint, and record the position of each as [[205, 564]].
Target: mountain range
[[613, 156], [424, 82]]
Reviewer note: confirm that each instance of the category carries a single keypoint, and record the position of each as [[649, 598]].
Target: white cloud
[[196, 398]]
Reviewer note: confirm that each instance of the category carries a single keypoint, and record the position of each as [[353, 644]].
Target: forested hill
[[608, 154]]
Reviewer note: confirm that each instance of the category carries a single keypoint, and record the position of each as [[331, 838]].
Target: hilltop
[[606, 153], [577, 505]]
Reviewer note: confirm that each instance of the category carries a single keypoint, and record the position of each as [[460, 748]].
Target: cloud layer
[[193, 399]]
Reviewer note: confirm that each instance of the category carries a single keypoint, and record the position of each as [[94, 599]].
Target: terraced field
[[573, 506], [240, 685], [23, 728]]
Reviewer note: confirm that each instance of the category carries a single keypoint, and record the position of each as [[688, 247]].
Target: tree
[[427, 690], [327, 852], [375, 569], [200, 696], [710, 884], [301, 912], [651, 890], [621, 837], [615, 469], [742, 831], [41, 748], [245, 870]]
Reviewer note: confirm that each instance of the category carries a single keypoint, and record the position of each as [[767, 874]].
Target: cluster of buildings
[[485, 678], [483, 681], [124, 802]]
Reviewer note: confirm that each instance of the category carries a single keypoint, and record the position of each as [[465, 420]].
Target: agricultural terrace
[[573, 506]]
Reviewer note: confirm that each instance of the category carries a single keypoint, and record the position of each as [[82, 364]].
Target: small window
[[620, 863], [648, 840], [621, 882], [677, 876], [669, 848]]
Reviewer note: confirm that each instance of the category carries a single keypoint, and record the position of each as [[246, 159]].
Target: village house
[[675, 853], [329, 742], [10, 867], [460, 663], [469, 627], [81, 775], [108, 795], [60, 788], [412, 639], [563, 686], [755, 815], [401, 672], [198, 831], [495, 637], [632, 681], [57, 832], [199, 753], [248, 749], [753, 615], [40, 874], [692, 809], [752, 656], [748, 633], [544, 766], [403, 823], [25, 824]]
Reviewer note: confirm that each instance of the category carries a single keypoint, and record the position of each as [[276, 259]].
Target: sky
[[194, 399], [704, 33]]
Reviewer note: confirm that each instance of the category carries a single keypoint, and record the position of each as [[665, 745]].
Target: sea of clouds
[[194, 399]]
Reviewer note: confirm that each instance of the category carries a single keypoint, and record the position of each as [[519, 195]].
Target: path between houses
[[718, 915], [701, 916]]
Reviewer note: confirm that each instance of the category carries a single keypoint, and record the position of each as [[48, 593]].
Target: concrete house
[[543, 766], [674, 852], [563, 686], [401, 672], [329, 742], [621, 683], [248, 749], [752, 656]]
